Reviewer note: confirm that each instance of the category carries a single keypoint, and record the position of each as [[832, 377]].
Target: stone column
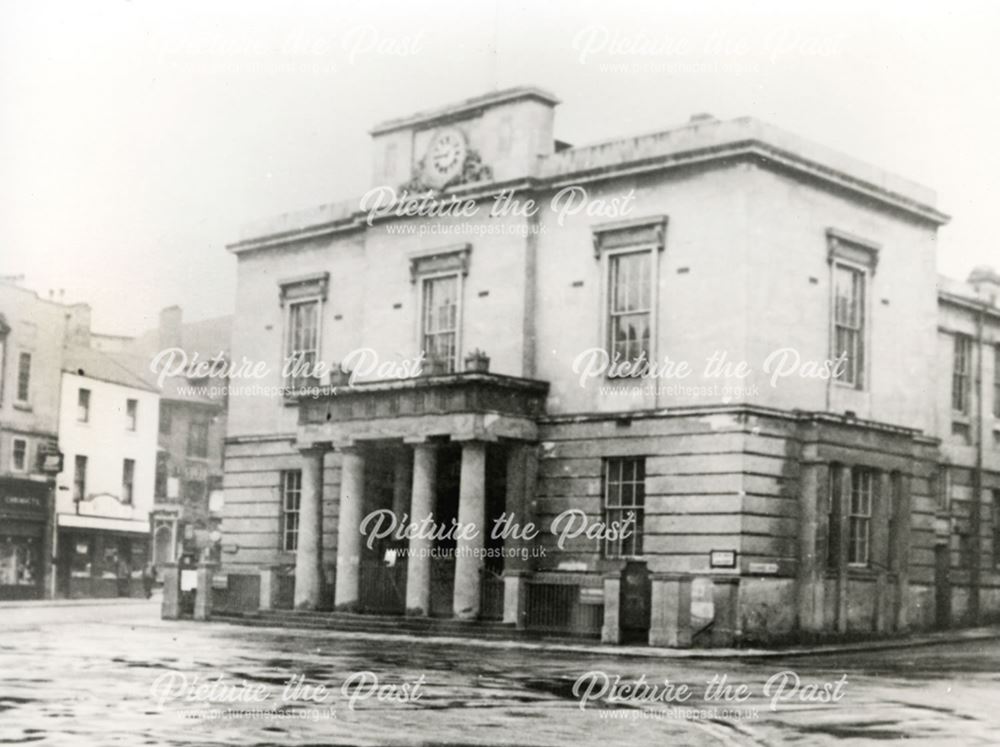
[[880, 551], [515, 598], [670, 614], [203, 594], [726, 602], [309, 551], [843, 508], [611, 631], [520, 486], [352, 499], [471, 511], [812, 546], [902, 546], [418, 563]]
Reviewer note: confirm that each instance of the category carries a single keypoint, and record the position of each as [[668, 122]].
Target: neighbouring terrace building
[[841, 481], [187, 510], [107, 432], [32, 335]]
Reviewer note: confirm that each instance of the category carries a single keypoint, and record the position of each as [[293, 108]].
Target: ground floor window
[[291, 495], [860, 517], [624, 504], [19, 561]]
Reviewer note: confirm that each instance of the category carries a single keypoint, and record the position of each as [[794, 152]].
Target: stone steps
[[388, 624]]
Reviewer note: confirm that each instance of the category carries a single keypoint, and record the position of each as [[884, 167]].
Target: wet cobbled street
[[113, 674]]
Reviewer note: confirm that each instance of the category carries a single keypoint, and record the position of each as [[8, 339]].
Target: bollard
[[203, 594], [170, 608], [611, 631]]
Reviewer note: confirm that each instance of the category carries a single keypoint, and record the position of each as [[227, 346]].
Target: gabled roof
[[113, 368]]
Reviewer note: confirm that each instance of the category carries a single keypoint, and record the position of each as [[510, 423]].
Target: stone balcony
[[470, 405]]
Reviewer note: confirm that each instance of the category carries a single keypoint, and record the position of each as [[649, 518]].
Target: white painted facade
[[107, 441]]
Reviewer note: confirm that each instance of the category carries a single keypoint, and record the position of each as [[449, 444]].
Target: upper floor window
[[19, 455], [291, 494], [302, 298], [439, 277], [80, 478], [197, 443], [303, 343], [996, 527], [849, 323], [440, 323], [852, 264], [160, 481], [630, 307], [860, 516], [996, 381], [24, 378], [131, 414], [4, 331], [629, 253], [128, 480], [83, 406], [961, 374], [165, 420], [624, 505]]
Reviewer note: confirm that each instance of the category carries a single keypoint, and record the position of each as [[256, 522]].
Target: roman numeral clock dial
[[445, 157]]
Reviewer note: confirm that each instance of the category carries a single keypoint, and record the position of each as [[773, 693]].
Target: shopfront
[[101, 557], [24, 512]]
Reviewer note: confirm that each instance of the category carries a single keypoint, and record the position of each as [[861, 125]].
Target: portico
[[450, 448]]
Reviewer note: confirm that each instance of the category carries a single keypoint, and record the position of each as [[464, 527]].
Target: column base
[[670, 615], [611, 631]]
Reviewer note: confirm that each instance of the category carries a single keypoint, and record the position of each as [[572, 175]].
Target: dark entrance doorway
[[635, 601], [382, 574], [942, 585], [449, 471]]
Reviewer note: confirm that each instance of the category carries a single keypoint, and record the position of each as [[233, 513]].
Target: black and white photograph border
[[500, 374]]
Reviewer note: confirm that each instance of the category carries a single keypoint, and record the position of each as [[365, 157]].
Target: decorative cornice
[[464, 109], [756, 151], [645, 230], [445, 259]]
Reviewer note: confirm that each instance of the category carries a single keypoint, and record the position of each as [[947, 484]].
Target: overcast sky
[[137, 137]]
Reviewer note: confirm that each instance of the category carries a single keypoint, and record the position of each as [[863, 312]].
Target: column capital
[[312, 449], [419, 441]]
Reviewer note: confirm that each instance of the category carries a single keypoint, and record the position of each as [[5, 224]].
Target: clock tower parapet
[[497, 137]]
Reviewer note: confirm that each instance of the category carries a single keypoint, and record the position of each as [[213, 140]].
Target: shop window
[[19, 561], [81, 563]]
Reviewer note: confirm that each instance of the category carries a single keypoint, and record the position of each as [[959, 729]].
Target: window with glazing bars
[[630, 306], [849, 324], [439, 324], [624, 504], [860, 516], [291, 495]]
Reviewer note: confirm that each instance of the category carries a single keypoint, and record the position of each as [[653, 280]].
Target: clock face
[[445, 156]]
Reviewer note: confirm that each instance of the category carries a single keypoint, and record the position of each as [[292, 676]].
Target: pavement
[[968, 635]]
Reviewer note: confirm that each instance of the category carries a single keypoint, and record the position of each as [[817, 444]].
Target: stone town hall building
[[838, 482]]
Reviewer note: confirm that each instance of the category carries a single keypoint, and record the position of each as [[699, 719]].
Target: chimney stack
[[171, 319], [986, 282], [78, 324]]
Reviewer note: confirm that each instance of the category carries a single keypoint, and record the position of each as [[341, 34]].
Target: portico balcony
[[447, 447], [462, 406]]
